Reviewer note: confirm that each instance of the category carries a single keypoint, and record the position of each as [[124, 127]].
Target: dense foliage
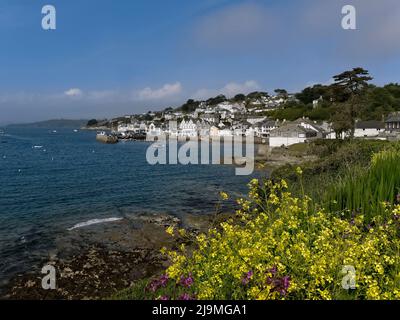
[[284, 249]]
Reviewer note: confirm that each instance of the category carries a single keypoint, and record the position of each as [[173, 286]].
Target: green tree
[[351, 82], [281, 93], [92, 123], [309, 94], [257, 95], [190, 105], [239, 98], [216, 100], [342, 122], [349, 93]]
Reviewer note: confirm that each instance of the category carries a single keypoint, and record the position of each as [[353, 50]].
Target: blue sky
[[108, 58]]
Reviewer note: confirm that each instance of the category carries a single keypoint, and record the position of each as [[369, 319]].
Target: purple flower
[[280, 285], [164, 280], [187, 282], [273, 270], [163, 298], [153, 286], [157, 283], [286, 282], [185, 296], [247, 277]]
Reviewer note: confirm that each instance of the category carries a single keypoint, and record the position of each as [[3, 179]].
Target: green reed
[[365, 190]]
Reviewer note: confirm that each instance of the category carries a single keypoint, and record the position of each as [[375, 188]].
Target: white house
[[126, 127], [240, 128], [210, 117], [289, 134], [203, 128], [153, 130], [265, 127], [251, 131], [122, 127], [187, 129], [316, 102], [368, 129]]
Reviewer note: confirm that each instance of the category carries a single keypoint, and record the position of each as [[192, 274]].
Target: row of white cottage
[[302, 130], [192, 128], [279, 133]]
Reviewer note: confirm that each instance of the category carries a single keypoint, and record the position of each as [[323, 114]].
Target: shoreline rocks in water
[[122, 253]]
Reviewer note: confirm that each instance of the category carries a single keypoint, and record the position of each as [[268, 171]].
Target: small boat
[[106, 138], [75, 130]]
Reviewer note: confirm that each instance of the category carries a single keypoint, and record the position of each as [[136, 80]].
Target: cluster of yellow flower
[[282, 248]]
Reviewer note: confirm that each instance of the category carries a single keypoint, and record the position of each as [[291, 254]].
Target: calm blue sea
[[52, 179]]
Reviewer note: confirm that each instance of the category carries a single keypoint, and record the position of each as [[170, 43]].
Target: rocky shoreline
[[126, 251]]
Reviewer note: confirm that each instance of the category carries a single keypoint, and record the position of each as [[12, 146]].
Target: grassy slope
[[336, 158]]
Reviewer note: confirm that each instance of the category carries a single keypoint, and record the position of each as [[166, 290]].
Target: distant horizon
[[161, 108]]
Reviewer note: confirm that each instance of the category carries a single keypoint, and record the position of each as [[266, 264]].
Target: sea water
[[55, 181]]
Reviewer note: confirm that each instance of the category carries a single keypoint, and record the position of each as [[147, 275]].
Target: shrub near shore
[[282, 249]]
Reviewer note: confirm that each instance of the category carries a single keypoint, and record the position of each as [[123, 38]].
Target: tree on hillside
[[190, 105], [342, 123], [257, 95], [148, 116], [378, 102], [239, 98], [92, 123], [282, 93], [393, 89], [351, 82], [216, 100], [349, 89], [309, 94]]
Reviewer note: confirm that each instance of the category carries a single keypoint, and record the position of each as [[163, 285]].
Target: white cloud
[[73, 92], [229, 90], [168, 90]]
